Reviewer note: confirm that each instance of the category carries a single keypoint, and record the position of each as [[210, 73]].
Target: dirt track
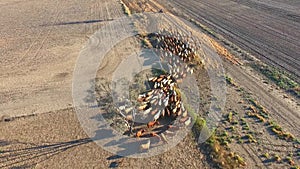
[[56, 140], [281, 109], [40, 42], [267, 29]]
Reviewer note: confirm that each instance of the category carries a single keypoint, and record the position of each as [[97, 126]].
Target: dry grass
[[125, 8], [224, 52], [224, 157], [279, 77], [278, 130]]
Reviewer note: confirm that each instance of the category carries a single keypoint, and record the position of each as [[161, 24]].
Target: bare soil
[[56, 140], [242, 25], [267, 29], [41, 41]]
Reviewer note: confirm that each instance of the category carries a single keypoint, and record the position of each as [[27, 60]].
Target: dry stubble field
[[38, 53]]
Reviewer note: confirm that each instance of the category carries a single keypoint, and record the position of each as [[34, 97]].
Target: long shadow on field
[[33, 154], [79, 22]]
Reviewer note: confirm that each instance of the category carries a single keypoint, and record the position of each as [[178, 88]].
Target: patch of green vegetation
[[277, 129], [254, 103], [275, 126], [246, 127], [125, 8], [224, 134], [224, 157], [218, 146], [295, 167], [260, 118], [223, 138], [230, 81], [230, 117], [240, 89], [290, 160], [250, 138], [280, 78], [277, 158], [157, 72], [257, 111], [232, 128], [145, 43], [243, 123], [199, 124], [240, 141], [266, 155], [225, 143]]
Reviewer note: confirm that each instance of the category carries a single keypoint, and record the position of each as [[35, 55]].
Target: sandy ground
[[40, 42], [267, 29], [252, 26], [39, 48], [281, 108], [56, 140]]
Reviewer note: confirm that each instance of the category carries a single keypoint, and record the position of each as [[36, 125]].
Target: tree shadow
[[30, 156], [103, 92], [79, 22]]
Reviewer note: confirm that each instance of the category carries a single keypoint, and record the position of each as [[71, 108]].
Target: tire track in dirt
[[292, 62], [100, 14], [267, 143], [251, 153], [277, 109], [247, 149], [247, 20], [56, 14], [96, 12], [91, 16], [265, 28], [281, 12], [22, 57], [227, 31], [254, 155], [109, 11], [258, 46]]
